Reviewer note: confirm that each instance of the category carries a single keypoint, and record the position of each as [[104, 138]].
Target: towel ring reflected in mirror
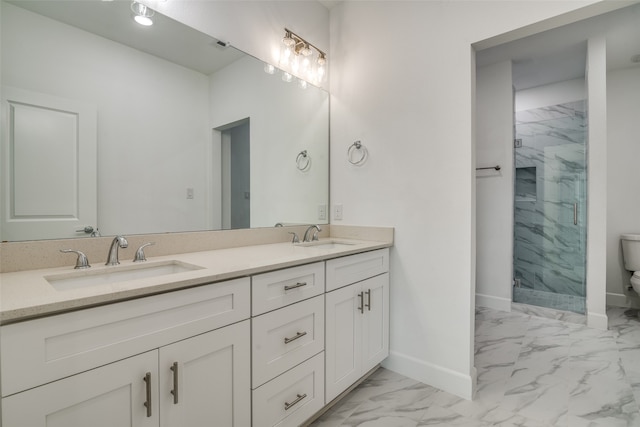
[[357, 153], [303, 161]]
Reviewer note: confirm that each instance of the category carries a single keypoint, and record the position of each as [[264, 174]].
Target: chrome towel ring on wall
[[357, 153], [303, 161]]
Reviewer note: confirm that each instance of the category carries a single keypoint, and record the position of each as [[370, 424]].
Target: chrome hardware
[[298, 335], [147, 404], [314, 236], [299, 397], [357, 147], [174, 369], [575, 214], [303, 161], [279, 224], [297, 285], [118, 241], [140, 252], [295, 238], [81, 262], [368, 305], [496, 167], [361, 308], [87, 230]]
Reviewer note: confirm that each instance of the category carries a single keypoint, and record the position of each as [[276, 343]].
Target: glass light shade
[[286, 54], [306, 50], [142, 14], [287, 40], [302, 83], [143, 20], [295, 64], [286, 77], [269, 69]]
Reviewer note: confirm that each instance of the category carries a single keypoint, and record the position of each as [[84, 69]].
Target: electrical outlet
[[337, 211], [516, 283], [322, 212]]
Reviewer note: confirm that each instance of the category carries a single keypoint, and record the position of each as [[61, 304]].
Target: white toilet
[[631, 255]]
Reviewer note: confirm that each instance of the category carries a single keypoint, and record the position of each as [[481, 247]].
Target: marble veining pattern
[[549, 249], [550, 371]]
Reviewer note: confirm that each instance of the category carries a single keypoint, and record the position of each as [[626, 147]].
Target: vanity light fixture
[[297, 58], [142, 14]]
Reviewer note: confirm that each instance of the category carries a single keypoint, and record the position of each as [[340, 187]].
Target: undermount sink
[[105, 276], [327, 244]]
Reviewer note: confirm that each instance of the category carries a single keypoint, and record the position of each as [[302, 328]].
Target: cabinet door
[[111, 396], [375, 326], [343, 347], [212, 379]]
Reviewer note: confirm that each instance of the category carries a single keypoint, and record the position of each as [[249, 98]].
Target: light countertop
[[28, 294]]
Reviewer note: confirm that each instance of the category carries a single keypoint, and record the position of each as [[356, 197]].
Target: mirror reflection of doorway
[[236, 183]]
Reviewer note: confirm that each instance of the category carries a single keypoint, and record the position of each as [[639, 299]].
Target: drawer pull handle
[[147, 404], [298, 335], [361, 296], [368, 305], [297, 285], [174, 369], [299, 397]]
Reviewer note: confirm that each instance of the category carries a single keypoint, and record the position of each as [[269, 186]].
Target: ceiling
[[560, 54], [165, 38]]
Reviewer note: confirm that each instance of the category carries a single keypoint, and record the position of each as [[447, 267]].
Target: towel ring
[[357, 147], [303, 161]]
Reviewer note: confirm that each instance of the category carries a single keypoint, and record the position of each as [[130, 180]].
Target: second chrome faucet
[[118, 242]]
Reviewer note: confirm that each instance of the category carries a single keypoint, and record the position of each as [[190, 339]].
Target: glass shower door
[[550, 208]]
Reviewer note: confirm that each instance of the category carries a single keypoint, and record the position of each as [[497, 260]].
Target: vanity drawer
[[284, 338], [283, 287], [291, 398], [355, 268], [38, 351]]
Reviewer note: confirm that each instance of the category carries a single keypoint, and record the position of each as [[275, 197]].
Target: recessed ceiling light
[[142, 14]]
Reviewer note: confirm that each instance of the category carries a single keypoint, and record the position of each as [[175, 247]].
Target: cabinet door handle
[[361, 296], [299, 397], [368, 305], [297, 285], [298, 335], [575, 214], [174, 369], [147, 404]]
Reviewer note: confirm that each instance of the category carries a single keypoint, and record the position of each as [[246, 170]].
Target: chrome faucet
[[118, 241], [307, 237]]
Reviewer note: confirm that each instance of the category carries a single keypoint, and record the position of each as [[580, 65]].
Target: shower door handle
[[575, 214]]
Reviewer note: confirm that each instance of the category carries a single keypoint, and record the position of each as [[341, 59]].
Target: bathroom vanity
[[252, 336]]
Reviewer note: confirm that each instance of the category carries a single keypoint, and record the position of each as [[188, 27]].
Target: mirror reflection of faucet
[[118, 241]]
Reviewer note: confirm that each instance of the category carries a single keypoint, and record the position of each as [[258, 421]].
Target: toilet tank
[[631, 251]]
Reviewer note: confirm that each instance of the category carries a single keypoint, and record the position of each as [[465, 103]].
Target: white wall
[[552, 94], [494, 190], [150, 112], [597, 182], [623, 177], [402, 82], [279, 191]]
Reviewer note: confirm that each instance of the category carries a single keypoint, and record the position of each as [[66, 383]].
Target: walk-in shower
[[550, 224]]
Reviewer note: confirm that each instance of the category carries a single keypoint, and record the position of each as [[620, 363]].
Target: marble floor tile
[[550, 371]]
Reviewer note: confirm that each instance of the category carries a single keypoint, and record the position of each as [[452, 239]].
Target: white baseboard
[[495, 303], [598, 321], [453, 382], [622, 300]]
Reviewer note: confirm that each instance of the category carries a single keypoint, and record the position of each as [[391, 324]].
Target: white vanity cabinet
[[287, 345], [357, 319], [115, 365]]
